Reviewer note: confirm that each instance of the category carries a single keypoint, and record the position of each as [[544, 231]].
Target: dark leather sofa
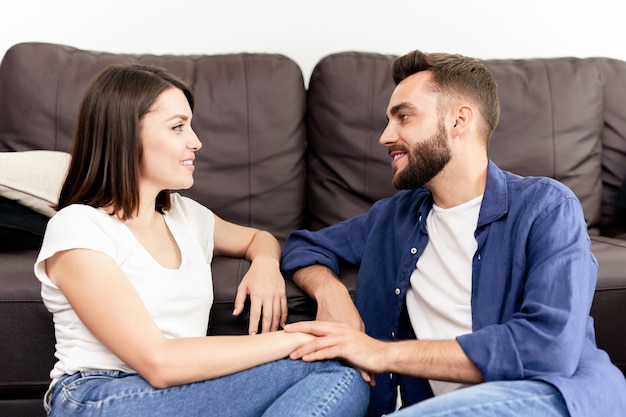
[[281, 155]]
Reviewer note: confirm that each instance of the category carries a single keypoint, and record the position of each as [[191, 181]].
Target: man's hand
[[268, 298], [443, 360], [334, 303], [335, 340]]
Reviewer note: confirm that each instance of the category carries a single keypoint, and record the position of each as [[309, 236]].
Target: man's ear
[[463, 116]]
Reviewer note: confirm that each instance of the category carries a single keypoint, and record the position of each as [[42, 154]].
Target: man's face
[[416, 135], [426, 159]]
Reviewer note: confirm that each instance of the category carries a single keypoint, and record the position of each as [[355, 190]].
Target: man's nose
[[389, 136]]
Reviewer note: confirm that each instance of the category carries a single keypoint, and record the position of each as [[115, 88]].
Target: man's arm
[[334, 303], [432, 359], [442, 360]]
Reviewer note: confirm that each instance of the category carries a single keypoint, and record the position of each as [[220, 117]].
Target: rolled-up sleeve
[[545, 316]]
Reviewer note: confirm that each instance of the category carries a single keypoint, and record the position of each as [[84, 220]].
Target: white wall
[[307, 31]]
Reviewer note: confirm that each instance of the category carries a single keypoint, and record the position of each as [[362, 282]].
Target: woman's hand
[[263, 282], [268, 298]]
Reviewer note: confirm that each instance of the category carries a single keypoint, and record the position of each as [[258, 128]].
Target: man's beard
[[425, 160]]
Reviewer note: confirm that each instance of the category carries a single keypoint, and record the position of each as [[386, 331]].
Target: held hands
[[268, 299], [334, 305], [336, 340]]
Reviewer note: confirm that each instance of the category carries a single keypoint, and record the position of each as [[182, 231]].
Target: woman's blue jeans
[[281, 388], [493, 399]]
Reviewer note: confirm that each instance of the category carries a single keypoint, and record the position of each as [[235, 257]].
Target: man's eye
[[404, 116]]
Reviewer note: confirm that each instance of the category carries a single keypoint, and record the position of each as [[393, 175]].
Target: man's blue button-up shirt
[[533, 281]]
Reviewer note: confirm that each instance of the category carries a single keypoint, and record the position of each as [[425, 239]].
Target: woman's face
[[169, 143]]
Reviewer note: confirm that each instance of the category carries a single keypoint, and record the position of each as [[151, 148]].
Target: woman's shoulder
[[78, 220], [81, 209], [186, 206], [191, 217], [77, 213], [77, 226]]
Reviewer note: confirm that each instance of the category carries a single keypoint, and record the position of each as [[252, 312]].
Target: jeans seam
[[340, 387], [491, 404]]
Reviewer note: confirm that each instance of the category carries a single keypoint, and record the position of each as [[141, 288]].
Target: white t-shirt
[[439, 297], [179, 300]]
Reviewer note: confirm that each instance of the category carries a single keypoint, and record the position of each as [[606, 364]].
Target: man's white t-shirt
[[179, 300], [439, 296]]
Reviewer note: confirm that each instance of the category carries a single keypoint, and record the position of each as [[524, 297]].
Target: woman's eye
[[178, 127]]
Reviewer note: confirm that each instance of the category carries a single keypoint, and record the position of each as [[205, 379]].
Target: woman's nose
[[195, 143]]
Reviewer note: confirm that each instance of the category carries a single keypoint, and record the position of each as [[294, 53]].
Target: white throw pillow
[[33, 178]]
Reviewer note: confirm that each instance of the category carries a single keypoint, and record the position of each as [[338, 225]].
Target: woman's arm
[[109, 306], [263, 282]]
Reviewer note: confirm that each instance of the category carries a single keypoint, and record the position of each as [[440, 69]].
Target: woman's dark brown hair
[[106, 153]]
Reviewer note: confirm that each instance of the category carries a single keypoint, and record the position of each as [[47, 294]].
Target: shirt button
[[398, 291], [413, 251], [393, 334], [479, 256]]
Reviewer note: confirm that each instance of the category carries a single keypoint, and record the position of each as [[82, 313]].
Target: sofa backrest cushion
[[552, 113], [348, 169], [249, 115], [613, 72], [552, 116]]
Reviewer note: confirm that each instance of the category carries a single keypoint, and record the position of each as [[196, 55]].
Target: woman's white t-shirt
[[179, 300]]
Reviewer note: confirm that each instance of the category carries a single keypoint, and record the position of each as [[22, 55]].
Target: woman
[[125, 270]]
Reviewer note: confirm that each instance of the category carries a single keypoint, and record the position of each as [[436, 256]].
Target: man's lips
[[396, 155]]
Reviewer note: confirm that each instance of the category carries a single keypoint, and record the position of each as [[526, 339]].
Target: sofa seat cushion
[[27, 360], [610, 298]]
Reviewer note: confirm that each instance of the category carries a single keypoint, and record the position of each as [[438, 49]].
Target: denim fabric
[[493, 399], [281, 388]]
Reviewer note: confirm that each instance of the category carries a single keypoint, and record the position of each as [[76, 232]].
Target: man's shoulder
[[537, 185]]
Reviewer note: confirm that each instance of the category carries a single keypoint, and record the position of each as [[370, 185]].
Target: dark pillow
[[21, 228]]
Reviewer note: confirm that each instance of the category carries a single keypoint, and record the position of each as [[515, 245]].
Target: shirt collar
[[495, 199]]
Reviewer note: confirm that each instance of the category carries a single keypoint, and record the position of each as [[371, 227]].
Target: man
[[474, 284]]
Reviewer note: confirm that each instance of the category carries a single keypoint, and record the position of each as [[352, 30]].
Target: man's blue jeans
[[281, 388], [493, 399]]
